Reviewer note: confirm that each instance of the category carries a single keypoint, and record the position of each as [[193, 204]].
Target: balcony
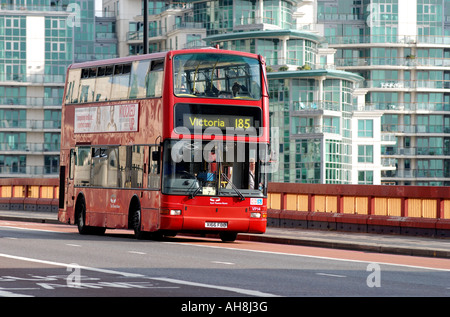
[[417, 151], [162, 32], [389, 85], [32, 7], [416, 173], [388, 139], [388, 163], [26, 125], [316, 130], [40, 79], [383, 39], [315, 105], [29, 171], [37, 102], [415, 128], [246, 23], [30, 148], [394, 61], [187, 25], [406, 106], [105, 36]]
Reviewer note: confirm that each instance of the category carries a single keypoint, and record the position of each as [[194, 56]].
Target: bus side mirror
[[156, 156]]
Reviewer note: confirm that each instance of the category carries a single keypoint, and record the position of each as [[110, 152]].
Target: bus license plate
[[216, 225]]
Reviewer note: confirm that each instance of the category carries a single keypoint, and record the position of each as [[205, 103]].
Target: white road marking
[[21, 258], [312, 256], [11, 294], [220, 262], [136, 252], [331, 275], [125, 274], [224, 288], [31, 229]]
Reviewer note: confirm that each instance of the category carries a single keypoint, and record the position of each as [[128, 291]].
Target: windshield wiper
[[234, 187], [196, 191]]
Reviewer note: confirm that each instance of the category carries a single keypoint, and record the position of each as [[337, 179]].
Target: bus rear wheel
[[136, 223], [228, 236]]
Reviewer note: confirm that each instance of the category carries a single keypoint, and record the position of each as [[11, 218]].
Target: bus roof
[[119, 60], [157, 55]]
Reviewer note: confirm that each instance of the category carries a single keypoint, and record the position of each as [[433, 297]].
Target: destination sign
[[204, 121], [199, 117]]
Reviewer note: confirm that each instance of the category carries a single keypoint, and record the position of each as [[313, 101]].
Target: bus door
[[69, 192]]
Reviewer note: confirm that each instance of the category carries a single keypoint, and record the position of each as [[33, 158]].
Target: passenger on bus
[[182, 90], [210, 89], [236, 87], [213, 162], [251, 174]]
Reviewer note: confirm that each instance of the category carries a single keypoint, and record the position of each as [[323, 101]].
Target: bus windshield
[[214, 168], [210, 75]]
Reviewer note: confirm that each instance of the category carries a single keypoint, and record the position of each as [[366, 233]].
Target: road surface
[[48, 260]]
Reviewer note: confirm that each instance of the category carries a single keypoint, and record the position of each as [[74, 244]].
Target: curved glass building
[[402, 49], [314, 106], [359, 90]]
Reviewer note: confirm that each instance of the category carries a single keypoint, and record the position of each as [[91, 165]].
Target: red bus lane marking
[[38, 226], [335, 254], [49, 227], [296, 250]]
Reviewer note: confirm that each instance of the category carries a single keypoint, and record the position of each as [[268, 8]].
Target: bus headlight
[[255, 215], [171, 212]]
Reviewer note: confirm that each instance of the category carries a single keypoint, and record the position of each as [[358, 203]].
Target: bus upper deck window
[[120, 82], [217, 76]]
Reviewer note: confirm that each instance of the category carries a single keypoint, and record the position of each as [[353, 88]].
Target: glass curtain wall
[[301, 114], [219, 16]]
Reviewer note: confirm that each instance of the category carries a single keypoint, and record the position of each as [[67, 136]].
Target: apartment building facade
[[358, 89], [402, 49], [312, 103], [38, 40]]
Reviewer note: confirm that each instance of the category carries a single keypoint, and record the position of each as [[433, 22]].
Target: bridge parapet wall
[[32, 194], [411, 210]]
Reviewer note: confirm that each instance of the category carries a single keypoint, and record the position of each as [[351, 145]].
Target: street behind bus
[[47, 260]]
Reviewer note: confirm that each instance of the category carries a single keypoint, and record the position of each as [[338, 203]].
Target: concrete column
[[407, 18], [259, 14]]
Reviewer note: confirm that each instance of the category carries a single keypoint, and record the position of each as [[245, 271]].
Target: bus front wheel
[[228, 236], [81, 221], [136, 222]]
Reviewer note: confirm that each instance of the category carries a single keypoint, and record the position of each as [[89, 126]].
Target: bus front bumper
[[212, 219]]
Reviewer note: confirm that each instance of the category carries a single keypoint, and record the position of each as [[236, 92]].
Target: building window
[[365, 153], [365, 177], [52, 119], [430, 168], [365, 128], [430, 146], [13, 141], [12, 118], [52, 141], [332, 125], [51, 164], [11, 164]]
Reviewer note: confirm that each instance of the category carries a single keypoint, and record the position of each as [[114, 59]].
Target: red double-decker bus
[[165, 143]]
